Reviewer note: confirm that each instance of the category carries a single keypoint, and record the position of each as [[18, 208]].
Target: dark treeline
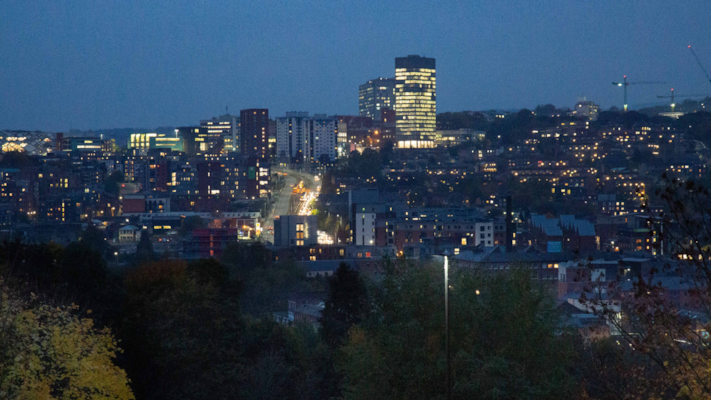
[[205, 330]]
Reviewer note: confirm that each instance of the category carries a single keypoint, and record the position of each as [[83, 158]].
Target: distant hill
[[687, 106]]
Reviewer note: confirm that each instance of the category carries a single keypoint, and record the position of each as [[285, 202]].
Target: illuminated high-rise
[[227, 127], [415, 102], [376, 94], [254, 123]]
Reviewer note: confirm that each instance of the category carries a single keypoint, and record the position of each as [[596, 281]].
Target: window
[[464, 241]]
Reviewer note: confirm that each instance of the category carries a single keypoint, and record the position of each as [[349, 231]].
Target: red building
[[254, 127], [206, 243]]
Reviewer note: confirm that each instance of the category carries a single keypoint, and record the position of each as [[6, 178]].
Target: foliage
[[610, 369], [346, 304], [267, 289], [113, 181], [94, 239], [183, 331], [76, 273], [191, 223], [328, 184], [243, 258], [287, 362], [668, 329], [144, 249], [504, 342], [48, 352], [363, 165]]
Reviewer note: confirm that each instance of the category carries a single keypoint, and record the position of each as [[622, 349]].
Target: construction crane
[[624, 84], [700, 65], [672, 97]]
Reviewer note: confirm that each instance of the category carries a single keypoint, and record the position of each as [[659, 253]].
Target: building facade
[[305, 140], [291, 132], [295, 230], [415, 102], [34, 143], [254, 123], [147, 141], [376, 94], [227, 127], [321, 140]]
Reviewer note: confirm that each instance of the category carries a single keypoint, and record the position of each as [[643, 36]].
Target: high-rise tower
[[376, 94], [254, 123], [415, 102]]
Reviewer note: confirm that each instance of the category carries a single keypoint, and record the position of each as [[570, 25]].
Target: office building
[[227, 127], [198, 141], [254, 123], [295, 230], [415, 102], [586, 109], [148, 141], [374, 95], [83, 144]]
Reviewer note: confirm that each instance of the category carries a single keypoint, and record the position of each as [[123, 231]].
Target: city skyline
[[112, 66]]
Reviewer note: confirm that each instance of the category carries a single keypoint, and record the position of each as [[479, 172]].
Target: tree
[[113, 182], [182, 332], [241, 259], [144, 248], [94, 239], [191, 223], [505, 338], [49, 352], [346, 304], [545, 110], [208, 272], [668, 327], [83, 269]]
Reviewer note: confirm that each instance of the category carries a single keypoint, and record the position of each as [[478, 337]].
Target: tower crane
[[624, 84], [672, 97], [699, 62]]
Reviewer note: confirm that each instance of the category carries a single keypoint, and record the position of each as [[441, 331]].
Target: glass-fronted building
[[376, 94], [415, 102]]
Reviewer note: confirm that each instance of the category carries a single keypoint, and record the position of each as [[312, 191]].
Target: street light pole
[[446, 324]]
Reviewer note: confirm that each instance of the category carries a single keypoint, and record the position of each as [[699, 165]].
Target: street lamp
[[446, 324]]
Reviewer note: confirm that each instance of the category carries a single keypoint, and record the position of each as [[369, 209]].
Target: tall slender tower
[[254, 123], [415, 102]]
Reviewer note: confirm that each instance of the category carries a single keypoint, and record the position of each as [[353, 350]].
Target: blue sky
[[110, 64]]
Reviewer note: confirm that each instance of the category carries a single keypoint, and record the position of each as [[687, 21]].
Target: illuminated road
[[302, 208], [280, 208]]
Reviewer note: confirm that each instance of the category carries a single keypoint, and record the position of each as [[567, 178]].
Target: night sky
[[111, 64]]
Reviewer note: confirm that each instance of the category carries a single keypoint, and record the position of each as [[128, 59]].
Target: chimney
[[509, 225]]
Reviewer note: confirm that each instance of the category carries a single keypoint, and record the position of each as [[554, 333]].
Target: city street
[[280, 208]]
